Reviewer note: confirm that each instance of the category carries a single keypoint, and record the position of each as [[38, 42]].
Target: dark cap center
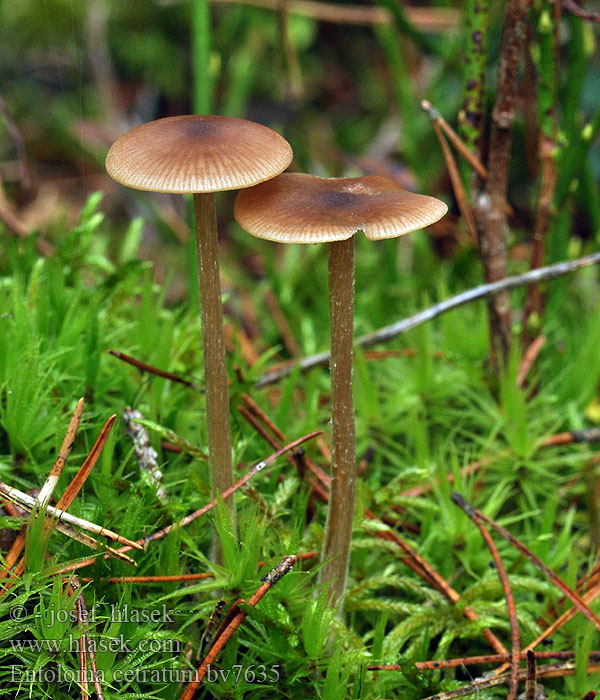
[[200, 128], [339, 200]]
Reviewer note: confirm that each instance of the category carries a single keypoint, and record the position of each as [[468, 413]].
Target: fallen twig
[[572, 7], [382, 335]]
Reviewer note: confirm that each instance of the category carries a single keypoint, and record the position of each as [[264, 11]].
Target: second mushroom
[[299, 208]]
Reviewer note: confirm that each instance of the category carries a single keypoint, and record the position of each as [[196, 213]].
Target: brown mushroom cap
[[298, 208], [194, 153]]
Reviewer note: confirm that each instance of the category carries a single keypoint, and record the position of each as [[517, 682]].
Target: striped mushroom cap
[[298, 208], [197, 154]]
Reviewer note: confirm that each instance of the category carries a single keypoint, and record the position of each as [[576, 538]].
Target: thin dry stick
[[482, 291], [270, 580], [510, 606], [531, 677], [163, 532], [474, 660], [572, 7], [74, 534], [462, 503], [144, 367], [90, 542]]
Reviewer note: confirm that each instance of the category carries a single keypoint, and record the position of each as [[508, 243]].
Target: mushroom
[[298, 208], [202, 155]]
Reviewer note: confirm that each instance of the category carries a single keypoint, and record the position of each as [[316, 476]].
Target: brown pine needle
[[567, 438], [510, 604], [29, 503], [529, 358], [462, 503], [413, 560], [159, 534], [261, 415], [73, 489], [457, 185], [48, 488], [89, 463], [144, 367], [457, 142], [63, 454], [270, 580], [569, 614]]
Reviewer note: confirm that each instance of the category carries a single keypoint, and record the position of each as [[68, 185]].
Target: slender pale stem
[[215, 368], [338, 529]]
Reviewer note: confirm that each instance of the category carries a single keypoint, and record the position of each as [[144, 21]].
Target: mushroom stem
[[215, 368], [338, 529]]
